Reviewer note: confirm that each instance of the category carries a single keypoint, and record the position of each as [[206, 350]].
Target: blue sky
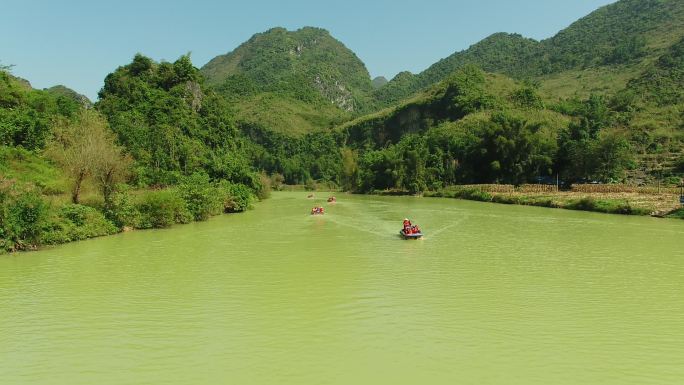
[[77, 43]]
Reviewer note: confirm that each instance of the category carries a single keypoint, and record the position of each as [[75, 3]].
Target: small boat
[[317, 211], [410, 236], [332, 200], [410, 231]]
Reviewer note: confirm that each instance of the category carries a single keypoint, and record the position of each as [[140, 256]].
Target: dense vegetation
[[157, 150], [465, 131], [171, 125], [663, 82], [26, 114], [471, 128]]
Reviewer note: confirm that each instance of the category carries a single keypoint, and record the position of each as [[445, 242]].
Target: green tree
[[350, 168], [85, 147]]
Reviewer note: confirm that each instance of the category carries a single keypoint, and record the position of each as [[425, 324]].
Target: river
[[494, 294]]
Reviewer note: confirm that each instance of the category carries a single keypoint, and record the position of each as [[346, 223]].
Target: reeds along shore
[[615, 199]]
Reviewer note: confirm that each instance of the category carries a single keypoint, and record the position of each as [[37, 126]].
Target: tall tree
[[86, 147]]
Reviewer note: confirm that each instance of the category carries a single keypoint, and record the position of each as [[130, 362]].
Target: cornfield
[[623, 188], [537, 188], [507, 188], [492, 188], [578, 188]]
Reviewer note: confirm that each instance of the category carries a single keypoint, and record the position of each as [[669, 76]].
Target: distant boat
[[317, 211], [332, 200]]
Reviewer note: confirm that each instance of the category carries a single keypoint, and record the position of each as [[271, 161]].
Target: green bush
[[606, 206], [265, 186], [73, 222], [75, 213], [310, 185], [235, 197], [121, 210], [507, 200], [679, 214], [474, 194], [201, 197], [22, 218], [584, 204], [162, 208]]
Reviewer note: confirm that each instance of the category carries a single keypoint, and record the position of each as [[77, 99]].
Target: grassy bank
[[625, 203], [28, 220]]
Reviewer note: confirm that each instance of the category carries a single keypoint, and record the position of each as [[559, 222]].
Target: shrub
[[474, 194], [162, 208], [679, 214], [74, 222], [121, 210], [75, 213], [22, 220], [606, 206], [507, 200], [310, 185], [277, 181], [201, 198], [265, 186], [235, 197], [584, 204]]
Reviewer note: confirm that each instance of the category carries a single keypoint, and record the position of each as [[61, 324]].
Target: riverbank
[[30, 220], [634, 202], [39, 223]]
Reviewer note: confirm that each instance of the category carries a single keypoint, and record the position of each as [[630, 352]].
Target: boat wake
[[434, 234]]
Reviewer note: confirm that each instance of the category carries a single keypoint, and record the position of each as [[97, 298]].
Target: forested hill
[[618, 36], [307, 64], [27, 114], [67, 92], [501, 52]]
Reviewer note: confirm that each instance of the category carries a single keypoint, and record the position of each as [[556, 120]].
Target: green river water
[[493, 295]]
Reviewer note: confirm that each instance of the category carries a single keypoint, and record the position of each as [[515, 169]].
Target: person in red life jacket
[[407, 226]]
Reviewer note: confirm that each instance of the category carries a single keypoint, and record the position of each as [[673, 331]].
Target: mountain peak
[[308, 64], [67, 92], [379, 81]]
